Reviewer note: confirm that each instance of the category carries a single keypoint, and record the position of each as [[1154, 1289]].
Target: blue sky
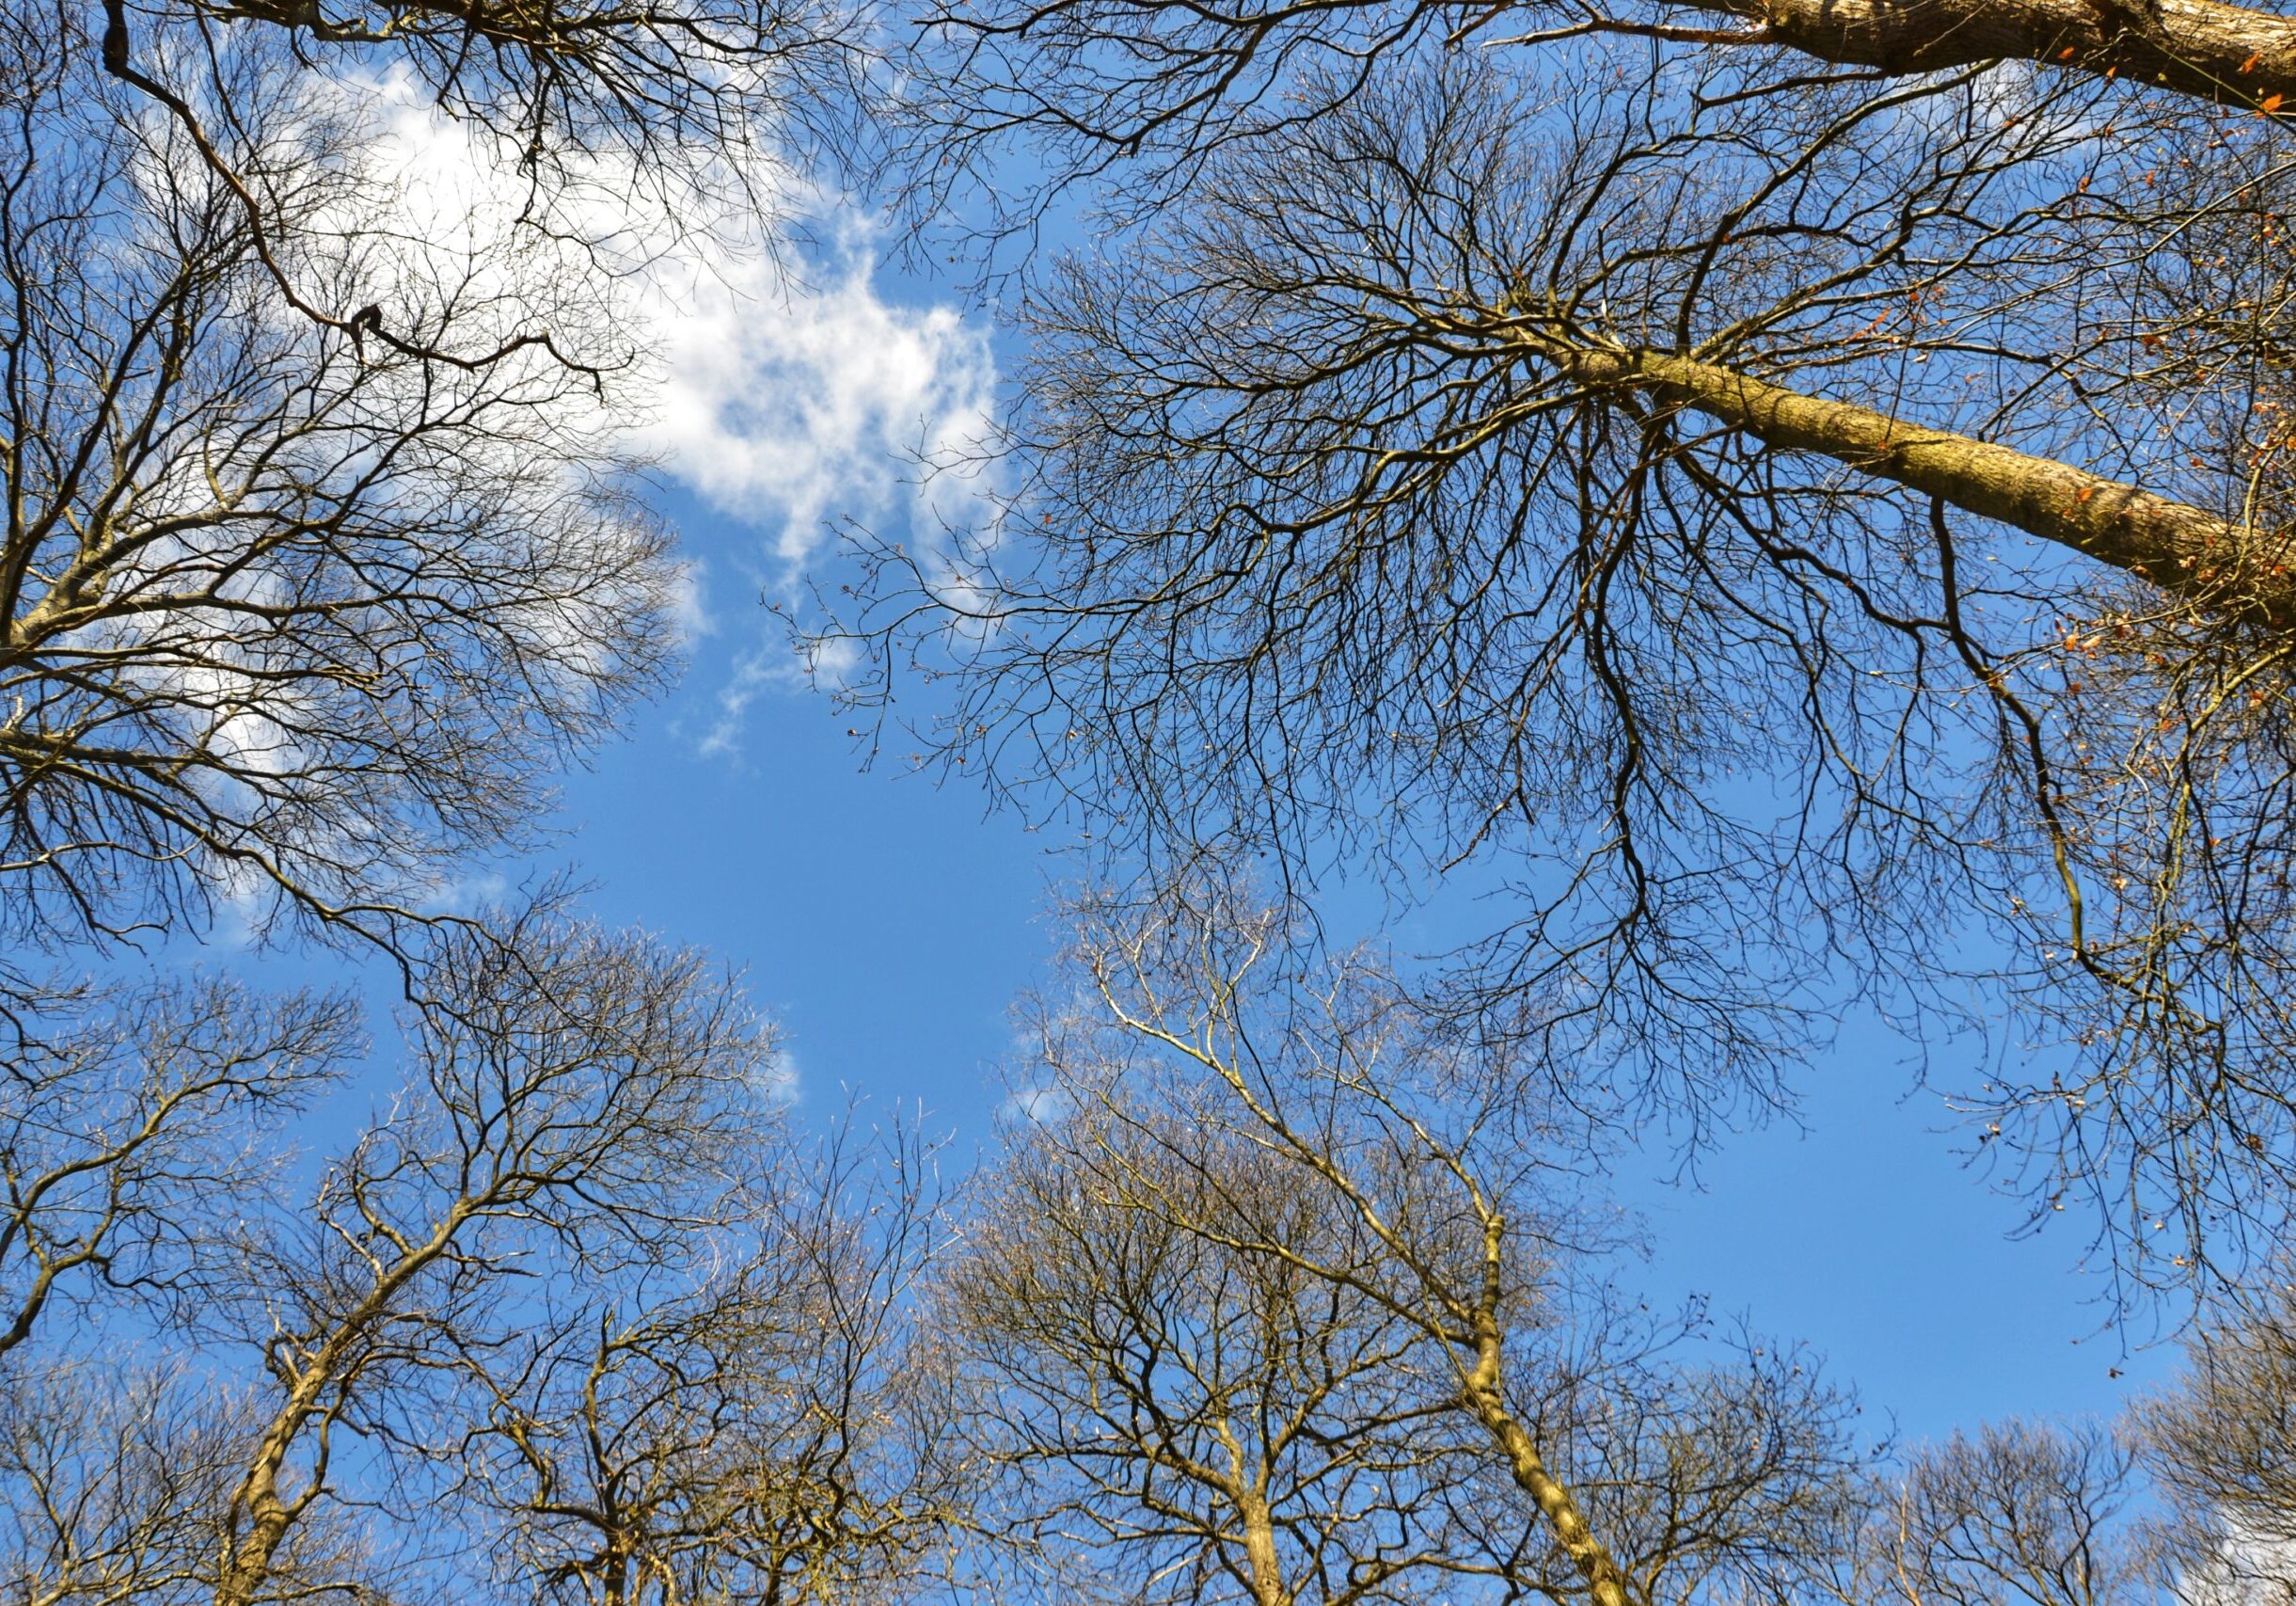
[[889, 922]]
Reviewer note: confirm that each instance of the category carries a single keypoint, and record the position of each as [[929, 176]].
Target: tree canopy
[[1783, 509], [1809, 530]]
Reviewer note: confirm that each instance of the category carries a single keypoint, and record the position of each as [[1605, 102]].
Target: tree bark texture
[[2196, 47], [2218, 566]]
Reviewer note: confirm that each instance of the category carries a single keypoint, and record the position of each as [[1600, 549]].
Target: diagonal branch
[[2196, 47], [2224, 568]]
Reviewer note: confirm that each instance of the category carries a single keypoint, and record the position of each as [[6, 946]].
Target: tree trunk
[[2219, 567], [248, 1555], [1268, 1586], [2195, 47], [1485, 1395], [1605, 1578]]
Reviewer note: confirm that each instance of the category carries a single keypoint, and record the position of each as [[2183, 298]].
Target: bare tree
[[578, 1105], [111, 1480], [1138, 92], [1182, 1419], [1286, 1288], [604, 114], [324, 542], [135, 1123], [578, 1316], [763, 1436], [1794, 531], [292, 619], [2222, 1448], [2020, 1515]]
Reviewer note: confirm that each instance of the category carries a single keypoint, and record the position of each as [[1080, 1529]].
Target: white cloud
[[2249, 1571], [767, 668], [690, 603], [777, 1080], [787, 405], [466, 893], [787, 391], [1040, 1106]]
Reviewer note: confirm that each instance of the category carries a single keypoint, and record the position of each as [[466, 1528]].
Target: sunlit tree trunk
[[2199, 47], [2181, 549]]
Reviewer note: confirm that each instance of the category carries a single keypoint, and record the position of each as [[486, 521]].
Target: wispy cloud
[[690, 605], [787, 403], [1038, 1106], [777, 1080]]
